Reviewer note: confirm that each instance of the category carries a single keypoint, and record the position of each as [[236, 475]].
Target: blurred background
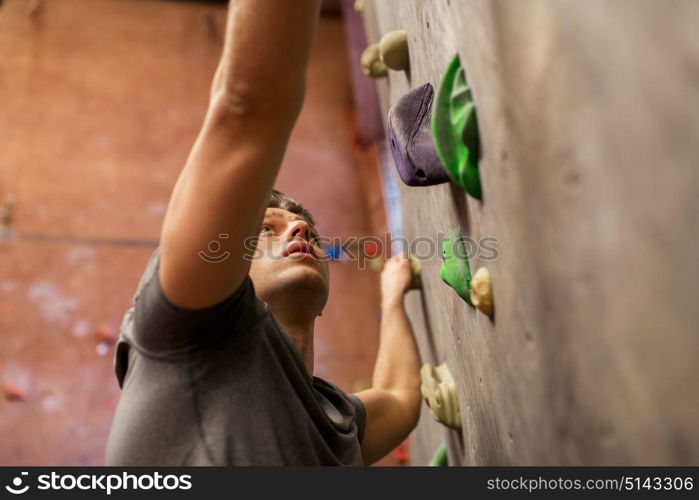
[[101, 102]]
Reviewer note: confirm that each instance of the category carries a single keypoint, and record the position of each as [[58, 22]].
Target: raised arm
[[393, 402], [224, 187]]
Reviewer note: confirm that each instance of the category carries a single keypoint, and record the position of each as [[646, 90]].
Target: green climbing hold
[[455, 270], [440, 458], [455, 129]]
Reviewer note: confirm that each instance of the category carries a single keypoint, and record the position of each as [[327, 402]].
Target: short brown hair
[[282, 201]]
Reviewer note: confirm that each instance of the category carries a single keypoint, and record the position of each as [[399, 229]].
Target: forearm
[[397, 367]]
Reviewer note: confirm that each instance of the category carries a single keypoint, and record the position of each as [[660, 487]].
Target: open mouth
[[300, 249]]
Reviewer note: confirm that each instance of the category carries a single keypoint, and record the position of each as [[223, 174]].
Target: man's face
[[288, 259]]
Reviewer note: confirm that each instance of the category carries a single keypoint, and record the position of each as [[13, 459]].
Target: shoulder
[[156, 326]]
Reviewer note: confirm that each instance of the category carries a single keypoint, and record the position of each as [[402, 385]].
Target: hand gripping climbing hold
[[455, 129], [410, 139], [371, 62], [481, 291], [439, 391], [455, 270], [393, 48]]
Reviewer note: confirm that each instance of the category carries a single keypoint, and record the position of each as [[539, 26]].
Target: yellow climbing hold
[[371, 62], [482, 291], [416, 279], [394, 50], [439, 390]]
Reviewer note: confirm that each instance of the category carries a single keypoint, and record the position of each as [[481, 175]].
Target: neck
[[299, 328]]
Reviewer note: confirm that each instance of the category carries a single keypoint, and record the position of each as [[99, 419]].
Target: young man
[[215, 359]]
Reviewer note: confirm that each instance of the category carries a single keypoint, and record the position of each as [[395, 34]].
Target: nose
[[299, 229]]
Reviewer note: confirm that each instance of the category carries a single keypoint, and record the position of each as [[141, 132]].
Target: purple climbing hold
[[410, 138]]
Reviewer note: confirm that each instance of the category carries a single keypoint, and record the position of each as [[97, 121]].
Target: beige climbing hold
[[439, 390], [482, 292], [416, 279], [394, 50], [359, 6], [371, 62]]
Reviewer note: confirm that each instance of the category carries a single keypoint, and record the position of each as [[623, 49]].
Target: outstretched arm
[[227, 179], [393, 403]]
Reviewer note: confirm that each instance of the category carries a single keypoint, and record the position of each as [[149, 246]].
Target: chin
[[294, 277], [305, 280], [304, 275]]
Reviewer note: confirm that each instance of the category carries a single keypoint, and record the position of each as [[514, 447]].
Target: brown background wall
[[589, 125], [101, 103]]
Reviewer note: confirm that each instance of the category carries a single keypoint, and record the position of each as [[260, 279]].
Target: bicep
[[387, 423]]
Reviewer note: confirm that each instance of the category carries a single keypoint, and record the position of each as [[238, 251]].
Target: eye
[[266, 228]]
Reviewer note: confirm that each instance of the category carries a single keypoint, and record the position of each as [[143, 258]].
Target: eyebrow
[[282, 215]]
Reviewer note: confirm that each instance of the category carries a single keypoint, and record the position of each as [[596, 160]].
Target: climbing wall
[[588, 124]]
